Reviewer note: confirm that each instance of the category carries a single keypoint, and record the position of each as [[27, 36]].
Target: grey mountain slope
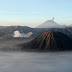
[[49, 24]]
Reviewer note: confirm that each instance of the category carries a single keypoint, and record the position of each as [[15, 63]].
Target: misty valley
[[41, 49], [35, 62], [35, 35]]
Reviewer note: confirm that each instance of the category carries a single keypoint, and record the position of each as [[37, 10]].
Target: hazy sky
[[35, 12]]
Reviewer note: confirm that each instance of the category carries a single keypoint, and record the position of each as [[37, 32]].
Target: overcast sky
[[35, 12]]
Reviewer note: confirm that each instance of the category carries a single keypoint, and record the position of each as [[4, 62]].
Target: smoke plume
[[18, 34]]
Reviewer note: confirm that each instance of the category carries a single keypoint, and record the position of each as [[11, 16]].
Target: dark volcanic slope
[[51, 41]]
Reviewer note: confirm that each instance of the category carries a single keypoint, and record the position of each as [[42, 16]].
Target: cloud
[[18, 34]]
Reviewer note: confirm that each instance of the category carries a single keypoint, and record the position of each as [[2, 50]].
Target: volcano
[[49, 24], [50, 41]]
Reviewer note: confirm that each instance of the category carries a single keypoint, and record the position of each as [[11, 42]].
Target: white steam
[[18, 34], [53, 18]]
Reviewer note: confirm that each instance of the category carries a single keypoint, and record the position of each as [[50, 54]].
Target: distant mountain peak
[[49, 24]]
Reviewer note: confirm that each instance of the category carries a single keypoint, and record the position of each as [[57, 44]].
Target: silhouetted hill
[[50, 41]]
